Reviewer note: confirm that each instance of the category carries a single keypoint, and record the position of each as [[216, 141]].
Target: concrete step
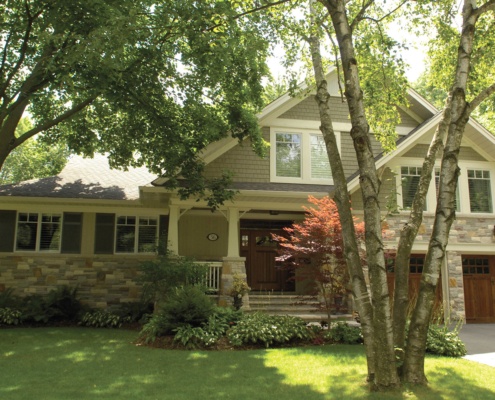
[[305, 307]]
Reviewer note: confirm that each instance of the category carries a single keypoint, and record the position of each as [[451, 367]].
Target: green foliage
[[210, 332], [148, 83], [32, 159], [259, 328], [186, 305], [342, 332], [102, 319], [10, 316], [9, 299], [162, 276], [444, 342], [136, 311], [65, 303]]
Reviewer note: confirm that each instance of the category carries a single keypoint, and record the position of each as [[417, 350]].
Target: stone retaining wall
[[103, 282]]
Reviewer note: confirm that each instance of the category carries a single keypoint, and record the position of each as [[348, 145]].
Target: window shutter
[[163, 233], [72, 233], [104, 233], [7, 230]]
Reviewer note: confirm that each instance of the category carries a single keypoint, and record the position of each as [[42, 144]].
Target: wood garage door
[[479, 288], [416, 263]]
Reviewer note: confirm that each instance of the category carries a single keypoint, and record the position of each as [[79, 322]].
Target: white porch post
[[173, 229], [233, 240]]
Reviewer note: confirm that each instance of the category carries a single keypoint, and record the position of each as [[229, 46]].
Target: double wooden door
[[263, 271]]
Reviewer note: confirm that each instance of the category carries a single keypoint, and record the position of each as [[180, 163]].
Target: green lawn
[[84, 363]]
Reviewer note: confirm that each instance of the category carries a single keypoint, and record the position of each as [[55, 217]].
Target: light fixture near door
[[212, 236]]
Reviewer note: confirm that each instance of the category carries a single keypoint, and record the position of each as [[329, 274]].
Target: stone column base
[[232, 266]]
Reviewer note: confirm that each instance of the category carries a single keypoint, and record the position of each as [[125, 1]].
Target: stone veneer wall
[[465, 230], [103, 282], [230, 267]]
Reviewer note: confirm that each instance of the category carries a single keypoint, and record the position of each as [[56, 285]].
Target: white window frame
[[39, 224], [463, 188], [136, 232], [305, 135]]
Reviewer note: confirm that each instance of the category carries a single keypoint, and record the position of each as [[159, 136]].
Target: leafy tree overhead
[[149, 82], [33, 159]]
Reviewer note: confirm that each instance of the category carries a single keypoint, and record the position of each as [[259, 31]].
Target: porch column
[[233, 240], [173, 229]]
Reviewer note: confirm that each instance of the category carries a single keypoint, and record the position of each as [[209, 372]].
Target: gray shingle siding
[[308, 110], [465, 154]]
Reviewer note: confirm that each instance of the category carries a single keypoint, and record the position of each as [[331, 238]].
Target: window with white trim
[[299, 157], [135, 234], [409, 181], [480, 193], [38, 232]]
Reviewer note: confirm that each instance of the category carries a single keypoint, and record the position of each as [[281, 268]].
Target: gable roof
[[85, 178]]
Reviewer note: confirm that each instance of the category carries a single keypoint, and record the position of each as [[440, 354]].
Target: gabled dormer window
[[299, 157]]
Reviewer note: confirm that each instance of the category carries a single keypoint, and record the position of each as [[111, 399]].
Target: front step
[[305, 307]]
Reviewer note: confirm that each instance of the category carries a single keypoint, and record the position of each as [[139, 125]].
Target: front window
[[410, 182], [136, 234], [320, 166], [288, 155], [38, 232], [480, 194]]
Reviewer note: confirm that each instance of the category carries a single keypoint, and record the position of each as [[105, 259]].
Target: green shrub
[[157, 326], [341, 332], [194, 337], [9, 299], [136, 311], [64, 303], [36, 309], [187, 305], [102, 319], [10, 316], [162, 276], [266, 329], [443, 342]]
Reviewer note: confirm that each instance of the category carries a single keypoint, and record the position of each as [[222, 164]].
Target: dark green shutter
[[72, 233], [7, 230], [104, 233], [163, 233]]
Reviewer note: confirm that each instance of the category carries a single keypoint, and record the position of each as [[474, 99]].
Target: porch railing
[[213, 275]]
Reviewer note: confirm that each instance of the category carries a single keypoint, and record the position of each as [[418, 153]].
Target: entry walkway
[[480, 342]]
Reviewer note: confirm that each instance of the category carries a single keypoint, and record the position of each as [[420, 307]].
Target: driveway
[[480, 342]]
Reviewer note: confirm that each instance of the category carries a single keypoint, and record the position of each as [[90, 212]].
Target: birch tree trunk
[[343, 201], [383, 349], [460, 111]]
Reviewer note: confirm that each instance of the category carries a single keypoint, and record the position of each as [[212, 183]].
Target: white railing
[[213, 275]]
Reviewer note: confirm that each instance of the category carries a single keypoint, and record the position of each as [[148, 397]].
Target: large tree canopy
[[149, 82]]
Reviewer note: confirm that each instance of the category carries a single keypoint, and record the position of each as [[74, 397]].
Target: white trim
[[136, 232], [464, 206], [39, 223], [305, 135]]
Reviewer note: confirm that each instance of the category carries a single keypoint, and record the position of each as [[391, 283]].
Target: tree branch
[[50, 124], [488, 6], [360, 14], [482, 96]]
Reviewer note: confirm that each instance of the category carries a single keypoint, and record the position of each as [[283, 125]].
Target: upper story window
[[480, 192], [474, 192], [135, 234], [410, 181], [299, 157], [38, 232]]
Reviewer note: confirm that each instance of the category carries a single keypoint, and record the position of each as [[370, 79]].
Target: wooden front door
[[262, 271], [479, 288]]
